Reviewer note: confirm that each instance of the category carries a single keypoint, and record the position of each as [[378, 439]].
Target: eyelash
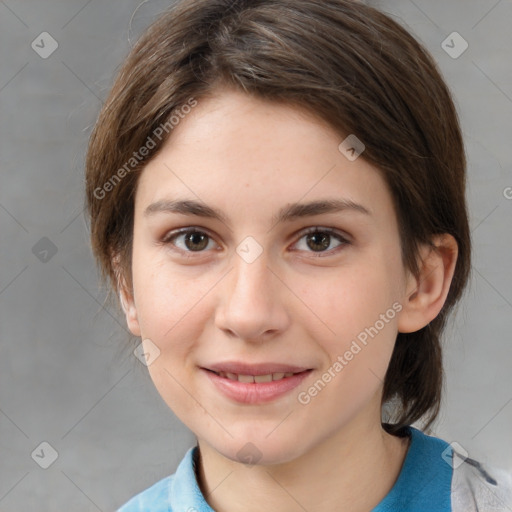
[[170, 237]]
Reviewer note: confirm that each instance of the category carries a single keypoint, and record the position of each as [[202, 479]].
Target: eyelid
[[331, 231], [188, 229]]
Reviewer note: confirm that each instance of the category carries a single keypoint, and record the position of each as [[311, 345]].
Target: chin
[[259, 450]]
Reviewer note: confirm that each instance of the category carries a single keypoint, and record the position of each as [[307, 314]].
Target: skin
[[295, 304]]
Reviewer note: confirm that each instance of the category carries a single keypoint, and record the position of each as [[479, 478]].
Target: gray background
[[67, 372]]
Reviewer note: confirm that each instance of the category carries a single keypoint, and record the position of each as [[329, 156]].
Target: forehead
[[240, 151]]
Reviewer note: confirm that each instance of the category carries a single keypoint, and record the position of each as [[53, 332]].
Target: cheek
[[348, 300], [357, 307], [169, 303], [171, 309]]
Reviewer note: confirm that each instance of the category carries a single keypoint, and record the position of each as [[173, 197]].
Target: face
[[320, 290]]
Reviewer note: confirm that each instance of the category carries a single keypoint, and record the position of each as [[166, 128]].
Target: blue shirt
[[435, 477]]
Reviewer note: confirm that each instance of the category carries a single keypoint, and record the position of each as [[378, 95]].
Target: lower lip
[[255, 392]]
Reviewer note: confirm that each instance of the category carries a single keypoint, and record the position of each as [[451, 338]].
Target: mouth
[[257, 385], [268, 377]]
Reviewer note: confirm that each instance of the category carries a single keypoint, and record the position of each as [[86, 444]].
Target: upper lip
[[241, 368]]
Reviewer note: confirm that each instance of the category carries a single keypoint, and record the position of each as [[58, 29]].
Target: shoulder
[[154, 498], [441, 475], [479, 487], [172, 492]]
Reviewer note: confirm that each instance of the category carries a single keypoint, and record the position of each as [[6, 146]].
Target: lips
[[257, 387]]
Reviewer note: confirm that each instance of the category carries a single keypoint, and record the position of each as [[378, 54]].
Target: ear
[[126, 299], [426, 293]]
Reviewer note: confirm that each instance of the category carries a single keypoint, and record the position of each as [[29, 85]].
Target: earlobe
[[130, 311], [427, 292], [126, 300]]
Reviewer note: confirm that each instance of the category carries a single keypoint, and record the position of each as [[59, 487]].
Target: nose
[[251, 301]]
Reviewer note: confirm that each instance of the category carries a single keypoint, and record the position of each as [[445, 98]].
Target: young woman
[[276, 192]]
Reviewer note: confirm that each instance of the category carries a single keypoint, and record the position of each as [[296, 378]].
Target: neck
[[352, 470]]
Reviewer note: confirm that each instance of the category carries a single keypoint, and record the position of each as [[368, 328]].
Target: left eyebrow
[[297, 210], [288, 213]]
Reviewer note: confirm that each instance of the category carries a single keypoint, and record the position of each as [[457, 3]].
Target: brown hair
[[348, 64]]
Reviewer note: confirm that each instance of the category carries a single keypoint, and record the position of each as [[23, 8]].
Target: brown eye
[[193, 240], [319, 239], [196, 241]]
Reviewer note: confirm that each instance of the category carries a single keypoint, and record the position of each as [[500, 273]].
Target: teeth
[[255, 378], [263, 378]]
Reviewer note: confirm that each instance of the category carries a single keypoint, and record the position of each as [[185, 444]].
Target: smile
[[255, 378]]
